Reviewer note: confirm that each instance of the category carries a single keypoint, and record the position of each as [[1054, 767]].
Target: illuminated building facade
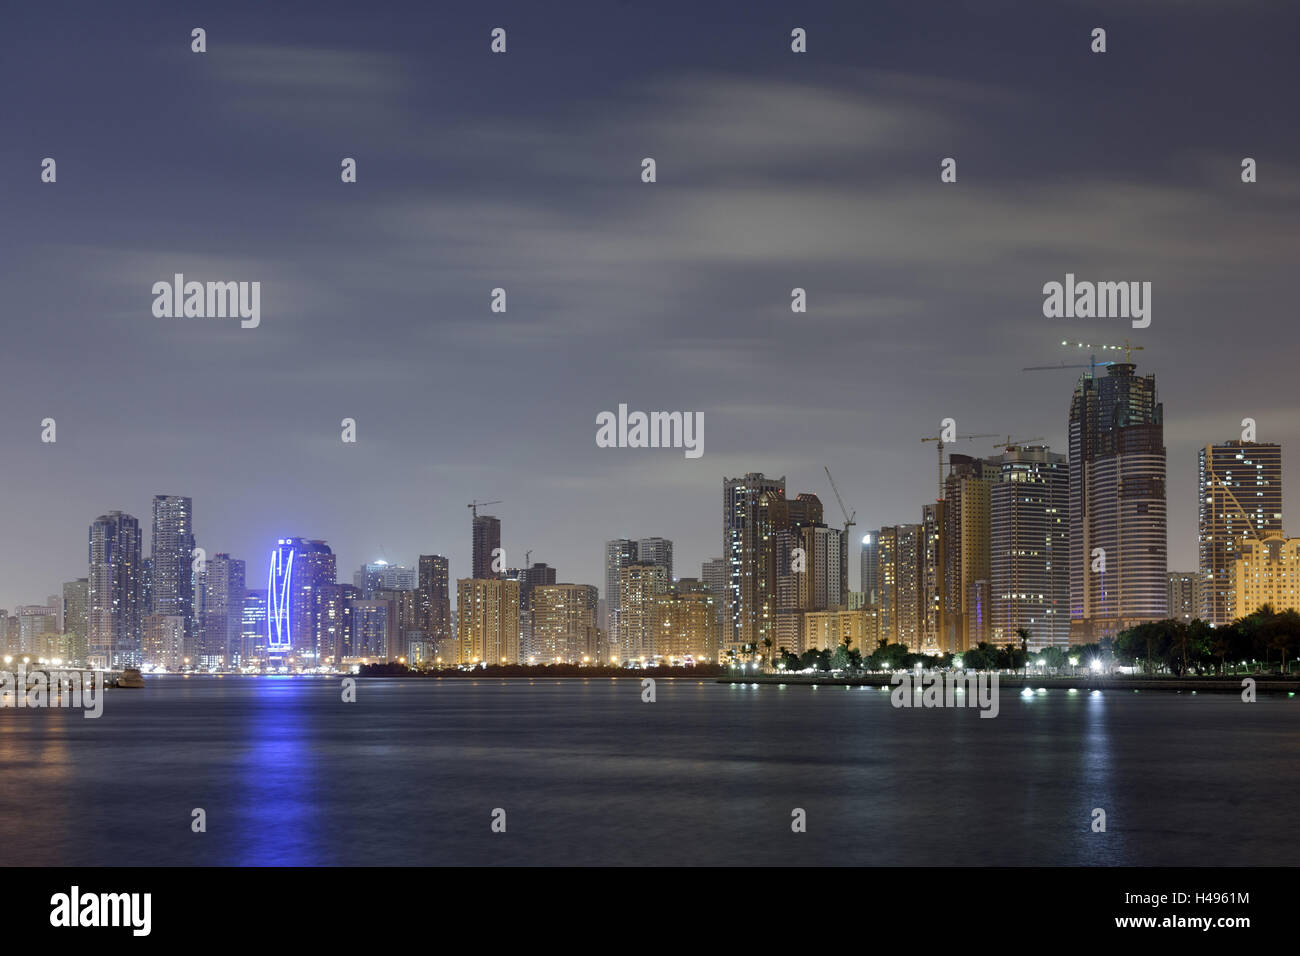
[[1239, 500]]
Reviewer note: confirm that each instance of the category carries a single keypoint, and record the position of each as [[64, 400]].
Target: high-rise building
[[900, 584], [713, 573], [434, 603], [619, 553], [869, 570], [933, 578], [76, 598], [404, 616], [751, 566], [639, 586], [529, 578], [1030, 564], [684, 623], [967, 517], [1118, 524], [37, 624], [335, 633], [299, 566], [166, 644], [1185, 594], [563, 623], [171, 561], [487, 547], [223, 611], [114, 614], [253, 653], [487, 621], [656, 551], [1239, 500], [1267, 572], [374, 629], [380, 575]]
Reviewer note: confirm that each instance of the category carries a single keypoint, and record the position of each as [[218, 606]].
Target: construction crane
[[939, 438], [849, 521], [1093, 364], [475, 504], [1010, 445]]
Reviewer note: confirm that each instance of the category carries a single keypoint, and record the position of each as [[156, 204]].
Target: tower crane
[[939, 439], [475, 504]]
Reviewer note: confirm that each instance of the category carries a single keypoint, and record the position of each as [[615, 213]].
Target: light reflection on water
[[709, 774]]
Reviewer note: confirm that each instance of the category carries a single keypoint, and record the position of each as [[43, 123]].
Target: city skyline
[[924, 298]]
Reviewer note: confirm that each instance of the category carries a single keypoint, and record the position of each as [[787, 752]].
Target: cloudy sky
[[522, 170]]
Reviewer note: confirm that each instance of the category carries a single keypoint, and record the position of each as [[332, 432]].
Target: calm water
[[588, 774]]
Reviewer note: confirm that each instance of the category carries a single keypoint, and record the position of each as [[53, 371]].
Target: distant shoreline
[[1208, 685]]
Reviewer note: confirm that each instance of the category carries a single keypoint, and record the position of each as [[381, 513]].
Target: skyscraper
[[529, 578], [563, 623], [1118, 524], [966, 525], [487, 621], [380, 575], [656, 551], [869, 572], [223, 611], [900, 585], [434, 603], [487, 543], [254, 635], [335, 630], [619, 553], [114, 614], [1185, 594], [1030, 564], [298, 567], [751, 566], [171, 557], [76, 598], [1239, 500], [640, 585], [932, 580]]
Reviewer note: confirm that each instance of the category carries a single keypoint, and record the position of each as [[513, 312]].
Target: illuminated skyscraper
[[656, 551], [1118, 524], [563, 623], [1185, 595], [487, 621], [76, 597], [434, 603], [171, 583], [298, 567], [223, 611], [639, 586], [114, 613], [1267, 572], [967, 528], [1030, 564], [380, 575], [1239, 500], [900, 585], [869, 571], [254, 635], [619, 553]]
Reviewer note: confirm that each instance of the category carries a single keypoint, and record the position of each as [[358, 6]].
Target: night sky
[[522, 170]]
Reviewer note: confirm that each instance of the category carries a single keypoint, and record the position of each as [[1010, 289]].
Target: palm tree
[[767, 645]]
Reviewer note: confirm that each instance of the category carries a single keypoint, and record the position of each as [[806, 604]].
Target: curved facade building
[[1118, 521]]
